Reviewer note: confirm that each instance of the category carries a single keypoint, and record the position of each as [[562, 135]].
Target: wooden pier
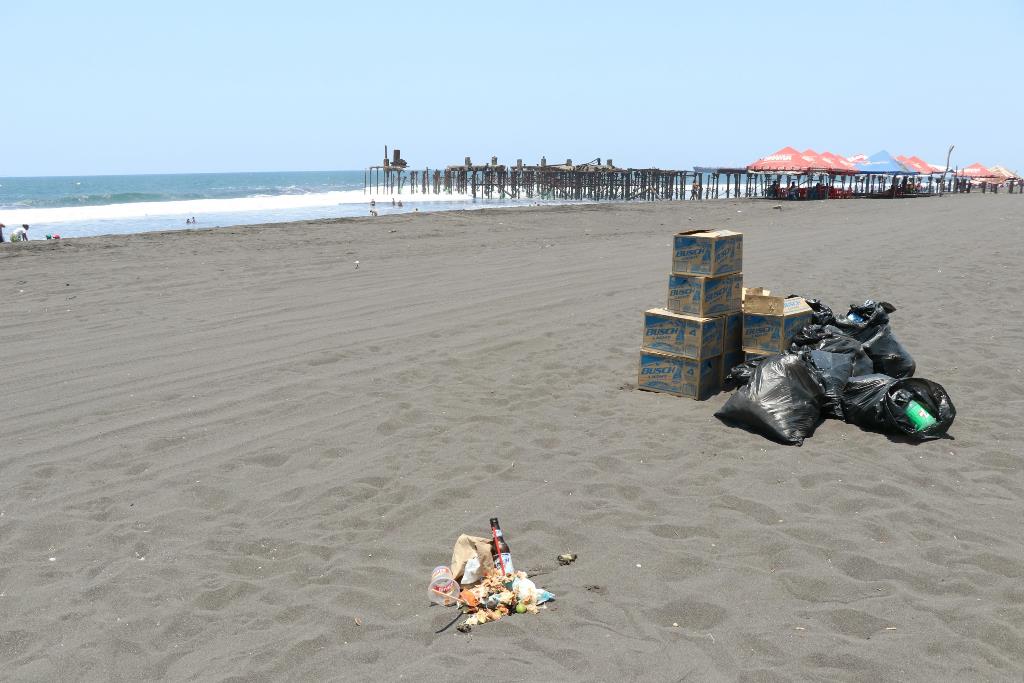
[[592, 181], [597, 181]]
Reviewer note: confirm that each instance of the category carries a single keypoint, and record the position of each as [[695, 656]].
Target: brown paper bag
[[468, 547]]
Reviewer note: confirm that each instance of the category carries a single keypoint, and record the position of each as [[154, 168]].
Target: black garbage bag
[[740, 374], [822, 314], [869, 324], [861, 320], [782, 400], [848, 346], [834, 370], [808, 337], [885, 404], [887, 354], [832, 339]]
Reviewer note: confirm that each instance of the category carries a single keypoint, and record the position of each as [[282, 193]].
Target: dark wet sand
[[219, 449]]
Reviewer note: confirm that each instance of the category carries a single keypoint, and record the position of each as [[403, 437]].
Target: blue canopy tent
[[881, 176], [883, 163]]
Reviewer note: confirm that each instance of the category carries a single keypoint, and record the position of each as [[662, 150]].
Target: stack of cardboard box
[[691, 343], [770, 322]]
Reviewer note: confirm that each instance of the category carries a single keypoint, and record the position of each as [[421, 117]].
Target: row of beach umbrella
[[791, 160]]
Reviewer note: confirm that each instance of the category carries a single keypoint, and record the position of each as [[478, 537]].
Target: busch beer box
[[707, 252], [705, 297], [683, 335], [673, 374], [770, 322], [755, 291], [732, 338], [731, 359]]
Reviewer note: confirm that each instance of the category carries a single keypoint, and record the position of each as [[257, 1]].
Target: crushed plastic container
[[443, 589]]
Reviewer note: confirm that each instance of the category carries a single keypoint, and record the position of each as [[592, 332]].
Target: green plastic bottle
[[921, 418]]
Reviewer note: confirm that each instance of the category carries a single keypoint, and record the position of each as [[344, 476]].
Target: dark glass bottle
[[500, 551]]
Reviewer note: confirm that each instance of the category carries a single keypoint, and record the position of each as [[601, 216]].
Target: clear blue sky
[[139, 87]]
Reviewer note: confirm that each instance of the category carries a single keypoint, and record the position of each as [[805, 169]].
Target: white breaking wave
[[203, 207]]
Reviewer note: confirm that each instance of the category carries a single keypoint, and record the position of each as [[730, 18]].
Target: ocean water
[[81, 206]]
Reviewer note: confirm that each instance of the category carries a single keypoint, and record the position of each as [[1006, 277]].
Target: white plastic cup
[[443, 588]]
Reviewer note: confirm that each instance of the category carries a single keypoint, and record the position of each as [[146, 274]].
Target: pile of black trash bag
[[850, 368]]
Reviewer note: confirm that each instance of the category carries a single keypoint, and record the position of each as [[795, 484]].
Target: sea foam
[[205, 207]]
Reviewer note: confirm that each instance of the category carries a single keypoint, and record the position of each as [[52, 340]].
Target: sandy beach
[[230, 454]]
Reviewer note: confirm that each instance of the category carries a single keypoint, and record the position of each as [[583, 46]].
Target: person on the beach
[[392, 201], [791, 191], [373, 203], [1, 232], [399, 203], [20, 234]]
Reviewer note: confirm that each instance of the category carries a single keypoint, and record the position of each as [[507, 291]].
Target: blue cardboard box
[[731, 359], [705, 297], [770, 322], [673, 374], [707, 252], [684, 335], [733, 335]]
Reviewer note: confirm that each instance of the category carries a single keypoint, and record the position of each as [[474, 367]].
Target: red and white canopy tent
[[788, 160], [838, 164], [1003, 172], [1007, 177], [975, 172], [816, 161], [925, 166], [917, 164]]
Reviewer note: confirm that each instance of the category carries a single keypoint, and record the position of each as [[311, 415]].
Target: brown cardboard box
[[706, 297], [761, 291], [732, 337], [684, 335], [731, 359], [770, 322], [707, 252], [673, 374]]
